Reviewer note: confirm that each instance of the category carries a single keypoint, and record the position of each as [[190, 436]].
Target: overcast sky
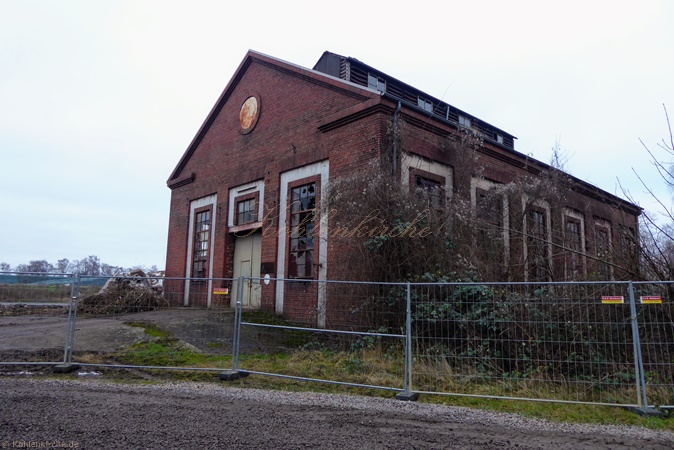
[[99, 99]]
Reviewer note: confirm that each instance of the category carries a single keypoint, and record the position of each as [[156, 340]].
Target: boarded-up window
[[537, 246], [490, 244], [573, 244], [603, 243]]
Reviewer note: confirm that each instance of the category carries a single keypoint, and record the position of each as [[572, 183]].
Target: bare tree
[[90, 265], [655, 244], [62, 265], [5, 267], [40, 266], [108, 270]]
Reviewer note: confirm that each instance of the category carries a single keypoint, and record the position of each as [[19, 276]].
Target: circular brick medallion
[[250, 111]]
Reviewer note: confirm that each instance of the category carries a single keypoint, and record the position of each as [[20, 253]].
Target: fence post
[[77, 303], [70, 313], [642, 397], [237, 322], [407, 393], [67, 365], [233, 373]]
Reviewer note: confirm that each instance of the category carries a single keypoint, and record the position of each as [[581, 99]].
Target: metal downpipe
[[395, 141]]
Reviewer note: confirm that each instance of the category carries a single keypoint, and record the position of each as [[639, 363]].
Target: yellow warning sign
[[220, 291], [612, 299], [651, 299]]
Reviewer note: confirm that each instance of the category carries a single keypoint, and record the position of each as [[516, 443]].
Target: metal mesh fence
[[34, 317], [593, 342], [154, 322], [655, 316], [562, 342], [338, 332]]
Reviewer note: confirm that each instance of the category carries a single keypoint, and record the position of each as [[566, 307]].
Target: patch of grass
[[552, 412], [368, 366], [151, 329], [284, 337], [164, 350], [556, 412]]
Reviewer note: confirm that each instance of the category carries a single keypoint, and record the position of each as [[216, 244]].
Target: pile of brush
[[133, 293]]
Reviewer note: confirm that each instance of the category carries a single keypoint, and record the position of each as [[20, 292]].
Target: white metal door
[[247, 250]]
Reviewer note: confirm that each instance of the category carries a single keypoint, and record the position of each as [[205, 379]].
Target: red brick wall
[[423, 142], [286, 136], [292, 108]]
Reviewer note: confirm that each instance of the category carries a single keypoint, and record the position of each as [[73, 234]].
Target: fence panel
[[336, 332], [563, 342], [154, 322], [34, 317], [655, 316], [568, 342]]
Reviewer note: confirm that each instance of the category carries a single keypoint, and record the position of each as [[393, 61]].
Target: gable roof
[[347, 87]]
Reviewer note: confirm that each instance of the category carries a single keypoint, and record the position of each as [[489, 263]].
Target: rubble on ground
[[134, 292]]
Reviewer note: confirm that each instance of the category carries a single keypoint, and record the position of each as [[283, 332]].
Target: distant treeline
[[51, 279], [90, 266]]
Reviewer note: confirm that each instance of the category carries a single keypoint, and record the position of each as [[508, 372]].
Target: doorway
[[247, 251]]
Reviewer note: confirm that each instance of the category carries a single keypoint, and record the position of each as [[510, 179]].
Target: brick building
[[279, 134]]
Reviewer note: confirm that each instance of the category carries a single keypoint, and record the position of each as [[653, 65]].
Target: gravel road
[[98, 414]]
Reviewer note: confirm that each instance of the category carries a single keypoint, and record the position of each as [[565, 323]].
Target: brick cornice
[[179, 182], [354, 113], [522, 162]]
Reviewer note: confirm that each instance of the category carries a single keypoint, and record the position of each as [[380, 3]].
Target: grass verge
[[368, 365]]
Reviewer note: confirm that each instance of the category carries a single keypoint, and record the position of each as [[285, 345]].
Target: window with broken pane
[[430, 190], [302, 227]]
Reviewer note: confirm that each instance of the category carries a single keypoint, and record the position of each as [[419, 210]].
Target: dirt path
[[102, 415], [110, 333], [210, 331]]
